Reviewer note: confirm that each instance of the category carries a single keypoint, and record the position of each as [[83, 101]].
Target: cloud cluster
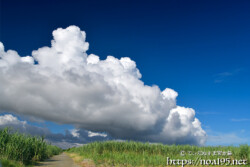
[[71, 138], [64, 84]]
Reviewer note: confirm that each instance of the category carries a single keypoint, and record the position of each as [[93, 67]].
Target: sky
[[199, 49]]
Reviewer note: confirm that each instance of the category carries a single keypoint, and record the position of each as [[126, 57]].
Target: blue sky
[[198, 48]]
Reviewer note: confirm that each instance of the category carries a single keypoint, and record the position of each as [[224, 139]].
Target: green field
[[23, 150], [18, 149], [146, 154]]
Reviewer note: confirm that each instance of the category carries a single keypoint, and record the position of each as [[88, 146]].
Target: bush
[[25, 148]]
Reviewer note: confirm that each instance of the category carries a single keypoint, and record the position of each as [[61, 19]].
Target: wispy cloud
[[226, 139], [208, 113], [220, 77], [240, 119], [222, 138]]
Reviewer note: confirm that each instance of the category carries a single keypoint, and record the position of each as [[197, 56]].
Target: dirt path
[[62, 160]]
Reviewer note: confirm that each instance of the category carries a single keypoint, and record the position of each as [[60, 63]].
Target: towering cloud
[[66, 85]]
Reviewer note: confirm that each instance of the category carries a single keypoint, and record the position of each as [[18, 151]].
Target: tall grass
[[145, 154], [24, 148]]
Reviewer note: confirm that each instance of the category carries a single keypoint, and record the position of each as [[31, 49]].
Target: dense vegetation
[[146, 154], [24, 148]]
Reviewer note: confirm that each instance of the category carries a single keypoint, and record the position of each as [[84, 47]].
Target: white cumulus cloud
[[92, 134], [75, 133], [9, 119], [67, 85]]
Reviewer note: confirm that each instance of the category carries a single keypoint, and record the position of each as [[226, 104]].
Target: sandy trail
[[62, 160]]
